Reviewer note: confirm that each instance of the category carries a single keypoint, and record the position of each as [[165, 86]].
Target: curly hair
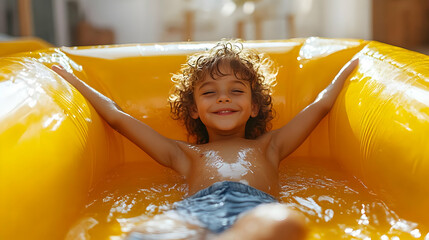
[[246, 64]]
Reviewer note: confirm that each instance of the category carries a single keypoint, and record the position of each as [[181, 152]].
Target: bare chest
[[230, 162], [242, 162]]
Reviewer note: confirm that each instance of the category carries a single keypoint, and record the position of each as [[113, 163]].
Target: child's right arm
[[164, 150]]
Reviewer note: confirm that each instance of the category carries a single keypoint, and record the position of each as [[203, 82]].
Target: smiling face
[[224, 104], [225, 60]]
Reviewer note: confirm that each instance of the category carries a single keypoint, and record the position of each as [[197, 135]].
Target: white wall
[[139, 21], [62, 36], [348, 19], [337, 19], [133, 21]]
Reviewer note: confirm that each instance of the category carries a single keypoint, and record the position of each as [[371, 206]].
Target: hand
[[69, 77], [348, 68], [352, 63]]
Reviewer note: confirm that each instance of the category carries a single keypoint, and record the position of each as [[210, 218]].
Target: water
[[336, 206]]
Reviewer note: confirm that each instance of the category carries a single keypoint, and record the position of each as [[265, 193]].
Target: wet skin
[[224, 105], [239, 160]]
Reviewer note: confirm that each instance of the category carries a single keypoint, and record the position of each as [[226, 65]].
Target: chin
[[229, 130]]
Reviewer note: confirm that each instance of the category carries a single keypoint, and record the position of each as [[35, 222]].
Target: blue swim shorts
[[218, 206]]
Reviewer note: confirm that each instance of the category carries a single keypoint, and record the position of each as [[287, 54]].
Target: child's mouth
[[225, 112]]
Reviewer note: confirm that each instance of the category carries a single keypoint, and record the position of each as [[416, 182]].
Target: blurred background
[[402, 23]]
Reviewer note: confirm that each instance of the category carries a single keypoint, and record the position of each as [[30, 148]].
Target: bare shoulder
[[182, 157], [265, 139], [270, 149], [187, 148]]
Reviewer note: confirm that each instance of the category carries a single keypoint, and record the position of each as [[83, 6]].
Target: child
[[223, 98]]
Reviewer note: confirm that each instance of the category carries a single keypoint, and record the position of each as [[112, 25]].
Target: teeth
[[221, 112]]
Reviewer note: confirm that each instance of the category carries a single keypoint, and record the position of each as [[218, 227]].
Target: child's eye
[[237, 91], [207, 92]]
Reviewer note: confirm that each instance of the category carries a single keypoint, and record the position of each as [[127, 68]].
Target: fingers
[[68, 76], [62, 71], [58, 69], [352, 64], [348, 68], [54, 67]]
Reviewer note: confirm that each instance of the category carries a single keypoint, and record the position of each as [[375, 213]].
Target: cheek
[[249, 101], [202, 104]]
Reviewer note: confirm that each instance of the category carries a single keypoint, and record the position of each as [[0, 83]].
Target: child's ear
[[194, 112], [255, 110]]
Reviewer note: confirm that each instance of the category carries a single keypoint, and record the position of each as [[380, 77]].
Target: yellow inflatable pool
[[22, 45], [65, 174]]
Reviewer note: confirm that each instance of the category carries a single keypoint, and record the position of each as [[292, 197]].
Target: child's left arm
[[287, 138]]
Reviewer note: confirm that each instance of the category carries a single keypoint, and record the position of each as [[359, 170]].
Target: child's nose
[[223, 98]]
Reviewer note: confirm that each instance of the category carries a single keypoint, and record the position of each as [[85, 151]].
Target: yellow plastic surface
[[22, 45], [65, 174]]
